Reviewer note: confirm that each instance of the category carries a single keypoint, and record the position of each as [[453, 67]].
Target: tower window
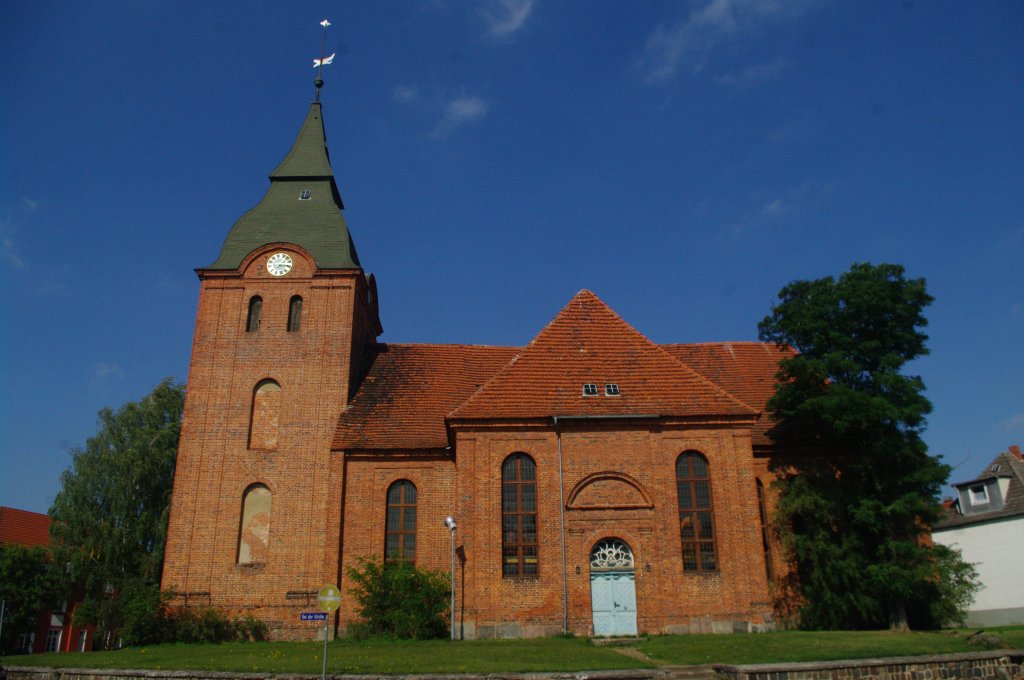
[[611, 389], [304, 195], [589, 389], [252, 323], [265, 415], [295, 314], [254, 529]]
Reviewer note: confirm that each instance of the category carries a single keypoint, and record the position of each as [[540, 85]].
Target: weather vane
[[319, 63]]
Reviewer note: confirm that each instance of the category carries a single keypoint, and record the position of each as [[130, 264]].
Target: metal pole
[[323, 671], [453, 583]]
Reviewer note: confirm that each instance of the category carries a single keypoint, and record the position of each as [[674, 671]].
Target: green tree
[[28, 586], [399, 600], [110, 516], [865, 490]]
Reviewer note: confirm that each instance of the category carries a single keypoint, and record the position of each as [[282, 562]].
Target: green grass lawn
[[343, 656], [545, 654]]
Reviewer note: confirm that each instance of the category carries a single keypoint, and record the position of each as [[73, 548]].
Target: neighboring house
[[601, 483], [54, 631], [986, 522]]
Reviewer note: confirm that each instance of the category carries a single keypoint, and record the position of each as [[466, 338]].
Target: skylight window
[[611, 389], [305, 194], [589, 389]]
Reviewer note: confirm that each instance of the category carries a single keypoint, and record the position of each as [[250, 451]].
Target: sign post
[[329, 599]]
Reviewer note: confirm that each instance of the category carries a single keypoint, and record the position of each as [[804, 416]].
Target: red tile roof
[[408, 390], [589, 343], [21, 527]]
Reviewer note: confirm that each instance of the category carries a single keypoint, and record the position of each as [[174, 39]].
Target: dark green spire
[[286, 215]]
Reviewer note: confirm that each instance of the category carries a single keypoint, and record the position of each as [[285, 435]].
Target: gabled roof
[[407, 390], [315, 223], [589, 343], [21, 527], [1009, 465]]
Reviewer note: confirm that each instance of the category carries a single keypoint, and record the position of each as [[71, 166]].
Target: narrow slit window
[[252, 322], [611, 390], [295, 314], [765, 538], [305, 194], [589, 389]]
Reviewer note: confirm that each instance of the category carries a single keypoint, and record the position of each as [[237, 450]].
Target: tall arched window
[[765, 543], [266, 412], [254, 529], [400, 524], [295, 314], [696, 520], [252, 323], [519, 516]]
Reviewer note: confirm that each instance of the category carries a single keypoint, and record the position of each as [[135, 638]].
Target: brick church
[[601, 484]]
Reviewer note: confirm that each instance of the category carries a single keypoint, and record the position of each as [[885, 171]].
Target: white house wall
[[996, 549]]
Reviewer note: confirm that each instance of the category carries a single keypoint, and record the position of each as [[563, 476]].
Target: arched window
[[254, 531], [519, 516], [763, 513], [266, 412], [400, 524], [295, 314], [252, 323], [696, 521]]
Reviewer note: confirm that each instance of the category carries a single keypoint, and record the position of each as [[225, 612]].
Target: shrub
[[399, 600]]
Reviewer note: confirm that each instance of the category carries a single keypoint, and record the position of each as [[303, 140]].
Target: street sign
[[329, 598], [313, 616]]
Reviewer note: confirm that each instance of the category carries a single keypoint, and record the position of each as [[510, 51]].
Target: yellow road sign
[[329, 598]]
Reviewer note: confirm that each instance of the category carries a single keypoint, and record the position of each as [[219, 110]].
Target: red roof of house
[[409, 391], [21, 527], [589, 343]]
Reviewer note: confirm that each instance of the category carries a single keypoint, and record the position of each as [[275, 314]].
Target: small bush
[[149, 620], [398, 600]]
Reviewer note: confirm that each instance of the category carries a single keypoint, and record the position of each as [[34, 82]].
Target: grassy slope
[[546, 654]]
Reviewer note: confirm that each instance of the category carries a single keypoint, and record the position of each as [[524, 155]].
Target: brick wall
[[215, 461]]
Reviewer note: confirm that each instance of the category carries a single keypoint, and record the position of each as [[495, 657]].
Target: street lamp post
[[449, 522]]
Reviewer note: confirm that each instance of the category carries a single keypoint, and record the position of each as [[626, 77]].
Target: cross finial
[[319, 63]]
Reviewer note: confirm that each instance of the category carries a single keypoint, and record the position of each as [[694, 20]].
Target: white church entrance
[[612, 588]]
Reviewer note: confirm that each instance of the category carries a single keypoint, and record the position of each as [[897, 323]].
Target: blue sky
[[683, 160]]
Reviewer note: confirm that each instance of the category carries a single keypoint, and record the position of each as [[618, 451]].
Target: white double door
[[613, 601]]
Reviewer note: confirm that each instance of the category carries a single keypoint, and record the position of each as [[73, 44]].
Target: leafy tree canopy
[[865, 488], [28, 586], [110, 516]]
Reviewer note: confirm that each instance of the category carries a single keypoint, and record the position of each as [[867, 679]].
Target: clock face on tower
[[279, 264]]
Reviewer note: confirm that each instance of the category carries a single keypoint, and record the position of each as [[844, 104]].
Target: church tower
[[285, 314]]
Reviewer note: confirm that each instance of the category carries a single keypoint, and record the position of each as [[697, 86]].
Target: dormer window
[[589, 389], [611, 389], [978, 494], [305, 194]]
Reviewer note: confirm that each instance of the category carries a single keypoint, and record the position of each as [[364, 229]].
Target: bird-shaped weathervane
[[319, 63]]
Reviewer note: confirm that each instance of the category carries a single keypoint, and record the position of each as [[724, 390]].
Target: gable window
[[979, 494], [265, 415], [254, 529], [765, 542], [519, 516], [611, 390], [252, 323], [589, 389], [696, 520], [295, 313], [400, 523], [304, 195]]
